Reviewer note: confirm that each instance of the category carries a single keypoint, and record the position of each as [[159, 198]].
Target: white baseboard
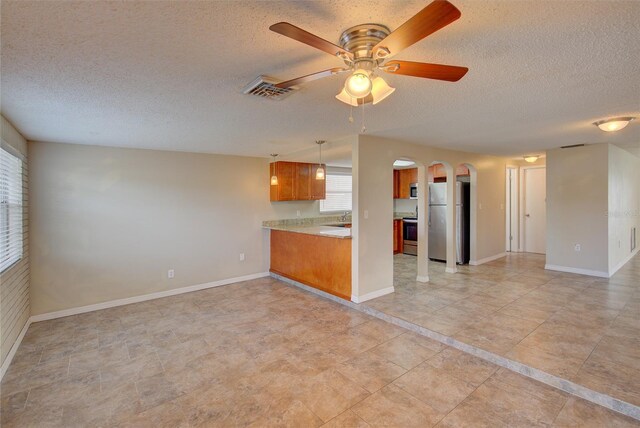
[[14, 349], [487, 259], [623, 262], [144, 297], [450, 270], [421, 278], [579, 271], [372, 295]]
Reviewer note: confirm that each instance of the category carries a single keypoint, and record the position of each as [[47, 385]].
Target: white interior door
[[535, 210], [511, 211]]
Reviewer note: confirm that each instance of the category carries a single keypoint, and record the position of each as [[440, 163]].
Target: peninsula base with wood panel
[[316, 257]]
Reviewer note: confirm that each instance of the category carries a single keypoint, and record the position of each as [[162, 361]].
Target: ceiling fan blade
[[310, 77], [436, 15], [449, 73], [307, 38]]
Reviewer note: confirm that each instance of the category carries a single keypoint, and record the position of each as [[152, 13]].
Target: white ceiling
[[168, 75]]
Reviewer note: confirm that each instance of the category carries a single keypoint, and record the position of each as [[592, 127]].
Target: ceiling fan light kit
[[359, 84], [365, 48], [380, 90]]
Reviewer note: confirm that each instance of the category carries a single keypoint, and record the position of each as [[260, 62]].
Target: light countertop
[[326, 231]]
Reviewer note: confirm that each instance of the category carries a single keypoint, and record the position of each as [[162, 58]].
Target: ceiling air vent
[[264, 87]]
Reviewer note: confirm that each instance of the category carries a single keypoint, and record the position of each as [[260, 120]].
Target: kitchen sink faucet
[[345, 215]]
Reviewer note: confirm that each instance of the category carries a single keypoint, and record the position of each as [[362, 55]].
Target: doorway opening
[[406, 228], [439, 209], [511, 210], [534, 208]]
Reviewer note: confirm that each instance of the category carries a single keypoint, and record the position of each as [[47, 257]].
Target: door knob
[[527, 215]]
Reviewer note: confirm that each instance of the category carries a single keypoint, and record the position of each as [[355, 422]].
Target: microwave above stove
[[413, 191]]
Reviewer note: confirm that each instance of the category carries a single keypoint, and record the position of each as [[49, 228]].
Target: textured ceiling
[[168, 75]]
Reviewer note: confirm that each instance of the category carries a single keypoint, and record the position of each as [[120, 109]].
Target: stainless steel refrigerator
[[438, 222]]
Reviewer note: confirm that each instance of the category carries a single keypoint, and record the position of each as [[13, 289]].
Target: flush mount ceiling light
[[367, 48], [401, 162], [613, 124], [531, 158], [274, 177], [320, 170]]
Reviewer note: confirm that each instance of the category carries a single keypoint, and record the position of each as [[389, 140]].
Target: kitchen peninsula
[[314, 254]]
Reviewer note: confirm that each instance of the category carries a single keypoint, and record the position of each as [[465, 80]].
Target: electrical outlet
[[577, 248], [366, 214], [171, 273], [298, 213], [241, 257], [480, 205]]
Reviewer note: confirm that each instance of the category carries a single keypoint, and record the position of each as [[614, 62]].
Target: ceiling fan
[[367, 48]]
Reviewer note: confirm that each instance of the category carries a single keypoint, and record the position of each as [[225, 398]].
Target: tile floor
[[577, 327], [262, 353]]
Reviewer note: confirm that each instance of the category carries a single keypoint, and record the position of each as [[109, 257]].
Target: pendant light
[[274, 177], [320, 170]]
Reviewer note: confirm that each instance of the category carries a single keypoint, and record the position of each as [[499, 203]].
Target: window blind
[[10, 209], [338, 193]]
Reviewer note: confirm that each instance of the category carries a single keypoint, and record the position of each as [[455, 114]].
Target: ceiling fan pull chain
[[351, 111], [364, 128]]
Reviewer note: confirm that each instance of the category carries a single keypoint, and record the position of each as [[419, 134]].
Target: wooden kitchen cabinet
[[396, 183], [303, 181], [318, 187], [397, 236], [285, 189], [405, 178], [296, 182], [438, 171], [462, 170], [438, 174]]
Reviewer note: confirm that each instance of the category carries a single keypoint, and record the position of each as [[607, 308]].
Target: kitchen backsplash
[[310, 221], [322, 220]]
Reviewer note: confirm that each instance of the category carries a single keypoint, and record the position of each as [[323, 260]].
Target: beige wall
[[109, 222], [624, 204], [14, 282], [373, 158], [577, 205]]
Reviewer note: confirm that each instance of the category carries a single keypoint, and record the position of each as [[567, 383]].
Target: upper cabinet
[[402, 180], [318, 187], [438, 173], [303, 181], [284, 190], [462, 170], [396, 183], [296, 182]]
